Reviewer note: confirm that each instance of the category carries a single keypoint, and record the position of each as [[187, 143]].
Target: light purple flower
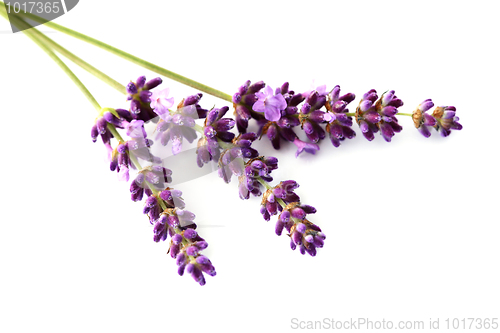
[[135, 129], [302, 146], [270, 104], [160, 102]]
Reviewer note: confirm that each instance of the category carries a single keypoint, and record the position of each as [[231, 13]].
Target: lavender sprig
[[278, 113], [254, 174], [163, 205]]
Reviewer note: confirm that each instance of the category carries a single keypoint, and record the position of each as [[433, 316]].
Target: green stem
[[136, 60], [70, 56], [34, 36], [22, 25]]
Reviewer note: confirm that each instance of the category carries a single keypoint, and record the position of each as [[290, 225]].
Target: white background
[[412, 226]]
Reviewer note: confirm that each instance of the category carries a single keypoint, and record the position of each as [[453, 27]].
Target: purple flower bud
[[181, 258], [387, 97], [145, 96], [177, 239], [191, 251], [301, 227], [153, 83], [279, 227], [131, 88], [190, 233], [141, 80], [297, 237], [94, 133]]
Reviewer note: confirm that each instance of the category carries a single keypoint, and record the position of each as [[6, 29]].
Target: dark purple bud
[[297, 237], [396, 102], [387, 97], [317, 116], [198, 276], [348, 98], [193, 99], [389, 111], [144, 96], [318, 242], [371, 95], [140, 81], [151, 202], [365, 105], [363, 126], [339, 106], [298, 213], [131, 88], [181, 269], [301, 227], [336, 131], [279, 227], [201, 245], [224, 125], [271, 162], [222, 111], [312, 98], [135, 106], [308, 209], [202, 260], [311, 250], [190, 233], [177, 239], [272, 132], [429, 120], [424, 130], [426, 105], [101, 124], [285, 216], [191, 251], [244, 88], [174, 250], [387, 131], [236, 98], [284, 88], [252, 89], [306, 107], [94, 133], [181, 259], [173, 221], [153, 83]]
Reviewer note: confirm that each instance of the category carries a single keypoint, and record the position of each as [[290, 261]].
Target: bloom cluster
[[374, 114], [292, 216], [280, 112], [237, 157], [443, 119], [163, 205]]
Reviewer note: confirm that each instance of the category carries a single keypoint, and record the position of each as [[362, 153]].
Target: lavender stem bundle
[[280, 114]]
